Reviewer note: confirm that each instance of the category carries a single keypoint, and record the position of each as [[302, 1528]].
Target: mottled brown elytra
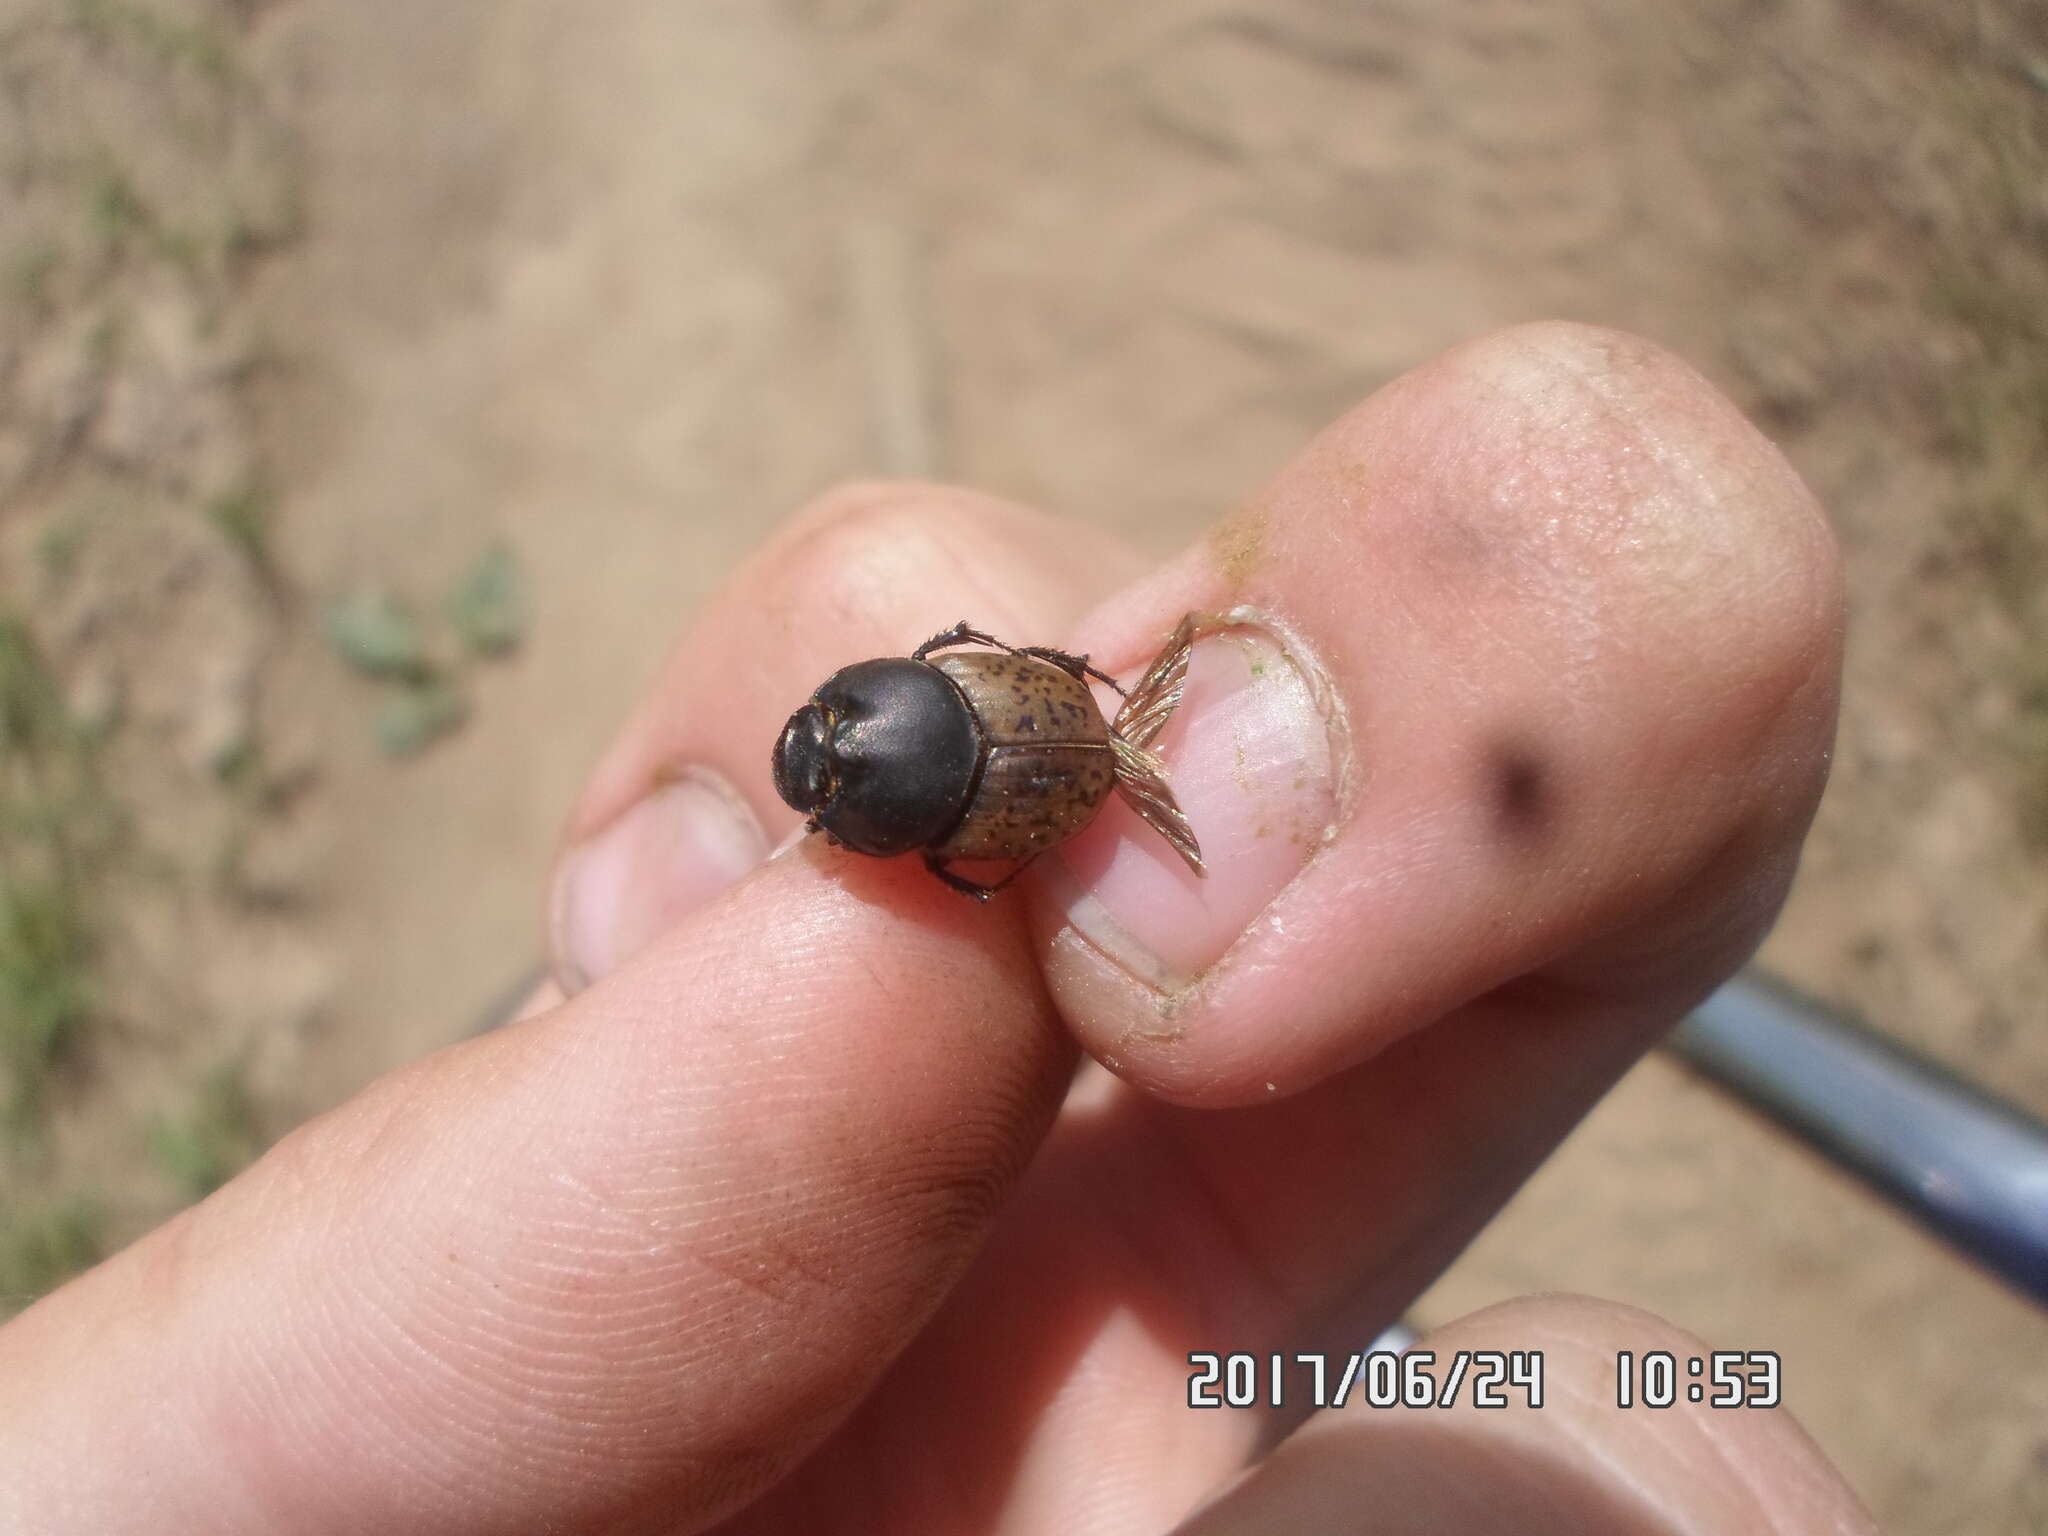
[[1000, 753]]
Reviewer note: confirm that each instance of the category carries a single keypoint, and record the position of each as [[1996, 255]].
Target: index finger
[[635, 1254]]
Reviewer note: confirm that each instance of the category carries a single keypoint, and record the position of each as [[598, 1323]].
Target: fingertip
[[1581, 626], [1690, 515]]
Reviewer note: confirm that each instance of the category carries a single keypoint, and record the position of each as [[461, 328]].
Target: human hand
[[797, 1215]]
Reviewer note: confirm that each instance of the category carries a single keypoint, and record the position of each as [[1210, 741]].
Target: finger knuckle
[[855, 550], [864, 514]]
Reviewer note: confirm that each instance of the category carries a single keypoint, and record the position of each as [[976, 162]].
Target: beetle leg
[[965, 633], [937, 866], [1068, 662], [966, 887], [962, 633]]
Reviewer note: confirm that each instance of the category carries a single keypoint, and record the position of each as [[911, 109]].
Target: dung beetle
[[1000, 753]]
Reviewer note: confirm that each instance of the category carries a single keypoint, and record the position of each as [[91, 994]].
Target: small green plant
[[416, 715], [374, 631], [425, 693], [54, 824], [45, 948], [488, 604]]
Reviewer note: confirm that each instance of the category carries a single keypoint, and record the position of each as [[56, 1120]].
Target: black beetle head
[[883, 757], [803, 761]]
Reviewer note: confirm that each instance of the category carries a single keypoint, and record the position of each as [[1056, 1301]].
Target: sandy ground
[[623, 285]]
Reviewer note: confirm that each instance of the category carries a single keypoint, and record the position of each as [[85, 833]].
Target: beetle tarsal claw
[[939, 867], [962, 633]]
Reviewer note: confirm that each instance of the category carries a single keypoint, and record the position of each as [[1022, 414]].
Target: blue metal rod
[[1971, 1167]]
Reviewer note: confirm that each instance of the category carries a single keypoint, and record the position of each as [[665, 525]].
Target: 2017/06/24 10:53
[[1384, 1378]]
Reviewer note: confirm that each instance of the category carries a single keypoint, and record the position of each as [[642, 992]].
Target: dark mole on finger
[[1521, 791]]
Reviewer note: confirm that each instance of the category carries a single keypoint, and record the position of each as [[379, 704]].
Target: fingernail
[[681, 845], [1250, 758]]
